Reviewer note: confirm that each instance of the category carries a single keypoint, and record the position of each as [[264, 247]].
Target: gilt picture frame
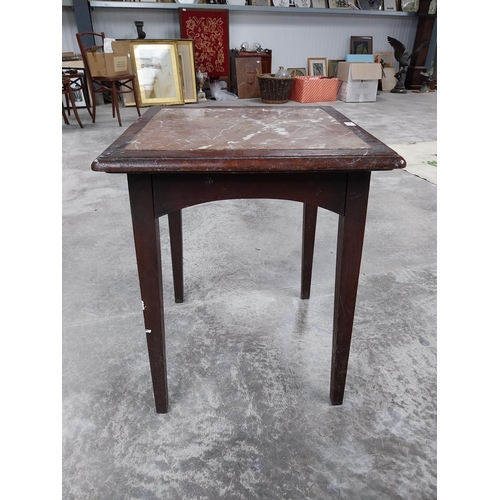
[[185, 49], [156, 66]]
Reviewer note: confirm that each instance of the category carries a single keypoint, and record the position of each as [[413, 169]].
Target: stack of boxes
[[359, 75]]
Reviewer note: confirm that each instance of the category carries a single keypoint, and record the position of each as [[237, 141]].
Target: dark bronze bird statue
[[403, 58]]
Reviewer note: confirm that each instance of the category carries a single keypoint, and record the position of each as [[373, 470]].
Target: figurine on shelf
[[141, 34], [201, 78], [245, 47], [403, 58]]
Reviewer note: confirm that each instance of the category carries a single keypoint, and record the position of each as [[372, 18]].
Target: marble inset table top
[[245, 139], [184, 129]]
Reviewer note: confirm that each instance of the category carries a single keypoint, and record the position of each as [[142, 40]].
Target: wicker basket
[[274, 90]]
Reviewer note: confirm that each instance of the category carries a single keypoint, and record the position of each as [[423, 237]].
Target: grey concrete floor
[[248, 360]]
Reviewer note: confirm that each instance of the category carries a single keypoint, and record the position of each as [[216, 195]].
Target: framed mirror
[[156, 65]]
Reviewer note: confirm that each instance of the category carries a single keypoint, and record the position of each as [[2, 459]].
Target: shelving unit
[[96, 4], [293, 33]]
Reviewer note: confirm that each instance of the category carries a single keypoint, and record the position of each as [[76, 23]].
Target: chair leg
[[73, 105], [66, 121], [114, 96], [92, 92], [66, 98], [85, 90]]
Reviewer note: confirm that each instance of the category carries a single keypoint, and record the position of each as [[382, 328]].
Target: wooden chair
[[79, 87], [122, 84], [67, 91]]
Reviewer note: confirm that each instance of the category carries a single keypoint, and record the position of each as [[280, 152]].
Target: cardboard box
[[367, 58], [314, 89], [121, 47], [110, 64], [359, 81]]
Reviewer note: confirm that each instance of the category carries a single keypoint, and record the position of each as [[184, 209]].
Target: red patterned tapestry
[[210, 33]]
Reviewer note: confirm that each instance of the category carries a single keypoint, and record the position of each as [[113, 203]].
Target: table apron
[[172, 192]]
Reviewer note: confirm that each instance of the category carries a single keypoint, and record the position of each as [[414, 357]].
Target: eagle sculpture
[[403, 58]]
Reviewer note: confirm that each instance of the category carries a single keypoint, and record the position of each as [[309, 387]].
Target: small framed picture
[[391, 5], [297, 72], [316, 66], [332, 66], [410, 5], [361, 45]]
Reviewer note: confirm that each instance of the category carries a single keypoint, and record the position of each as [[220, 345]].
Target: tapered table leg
[[349, 249], [310, 214], [148, 254], [175, 230]]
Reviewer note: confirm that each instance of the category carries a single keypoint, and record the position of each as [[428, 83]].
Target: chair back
[[88, 41]]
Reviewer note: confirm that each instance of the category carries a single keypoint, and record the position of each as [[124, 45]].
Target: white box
[[359, 81]]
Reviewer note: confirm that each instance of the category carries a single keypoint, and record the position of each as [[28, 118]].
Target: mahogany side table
[[175, 157]]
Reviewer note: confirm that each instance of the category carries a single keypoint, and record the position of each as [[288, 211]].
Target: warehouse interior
[[248, 359]]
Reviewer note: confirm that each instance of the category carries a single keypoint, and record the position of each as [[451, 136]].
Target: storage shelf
[[96, 4]]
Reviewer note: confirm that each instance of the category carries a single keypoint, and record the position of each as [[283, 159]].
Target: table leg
[[310, 214], [175, 230], [349, 249], [148, 254]]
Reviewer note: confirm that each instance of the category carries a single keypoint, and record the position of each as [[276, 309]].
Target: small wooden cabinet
[[245, 66]]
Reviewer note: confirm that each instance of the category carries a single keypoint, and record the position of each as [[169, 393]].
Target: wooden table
[[177, 157]]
